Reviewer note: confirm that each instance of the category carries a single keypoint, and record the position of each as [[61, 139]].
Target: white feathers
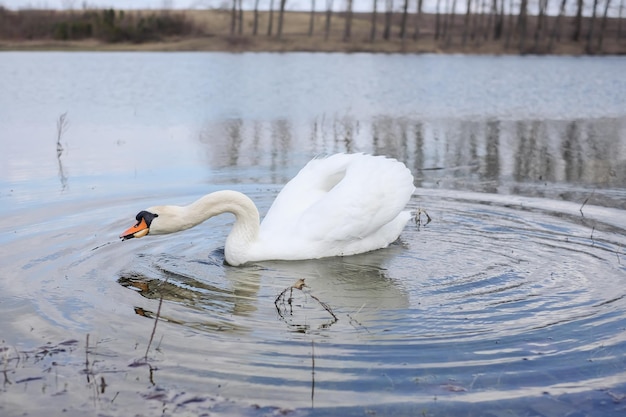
[[340, 205]]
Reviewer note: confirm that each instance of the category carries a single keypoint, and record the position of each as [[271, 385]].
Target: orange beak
[[139, 230]]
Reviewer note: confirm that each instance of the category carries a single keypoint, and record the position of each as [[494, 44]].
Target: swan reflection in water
[[208, 295]]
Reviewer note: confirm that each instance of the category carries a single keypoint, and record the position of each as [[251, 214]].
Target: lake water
[[511, 300]]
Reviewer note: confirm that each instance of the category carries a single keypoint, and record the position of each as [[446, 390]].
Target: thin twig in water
[[158, 348], [103, 385], [359, 324], [104, 244], [324, 305], [62, 126], [91, 382], [87, 357], [593, 229], [585, 202], [418, 218], [300, 285], [312, 374], [156, 320], [583, 205], [353, 320]]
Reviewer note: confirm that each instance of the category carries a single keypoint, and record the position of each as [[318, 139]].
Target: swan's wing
[[372, 193], [340, 198], [310, 185]]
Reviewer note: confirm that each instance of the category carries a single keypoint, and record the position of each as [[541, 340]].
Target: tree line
[[460, 21], [509, 26]]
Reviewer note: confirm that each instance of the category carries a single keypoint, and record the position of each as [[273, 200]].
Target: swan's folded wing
[[372, 192], [312, 184], [340, 198]]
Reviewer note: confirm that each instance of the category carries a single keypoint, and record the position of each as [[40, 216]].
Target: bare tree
[[466, 23], [492, 19], [578, 22], [388, 19], [418, 19], [233, 18], [437, 19], [475, 16], [329, 14], [312, 18], [603, 27], [405, 15], [270, 23], [509, 32], [281, 18], [240, 17], [556, 29], [498, 26], [591, 27], [481, 24], [619, 25], [446, 14], [522, 22], [452, 16], [348, 22], [374, 18], [543, 5], [255, 27]]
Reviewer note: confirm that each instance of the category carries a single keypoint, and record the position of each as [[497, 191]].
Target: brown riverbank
[[216, 30]]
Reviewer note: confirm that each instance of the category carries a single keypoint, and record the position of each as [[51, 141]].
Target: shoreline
[[219, 31], [198, 44]]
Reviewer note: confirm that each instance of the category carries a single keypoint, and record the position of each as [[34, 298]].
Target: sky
[[320, 5], [179, 4]]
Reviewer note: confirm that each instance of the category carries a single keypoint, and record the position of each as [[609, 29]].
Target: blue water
[[510, 299]]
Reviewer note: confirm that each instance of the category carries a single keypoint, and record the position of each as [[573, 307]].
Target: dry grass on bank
[[210, 30]]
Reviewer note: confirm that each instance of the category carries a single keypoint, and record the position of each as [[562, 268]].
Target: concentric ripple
[[497, 301]]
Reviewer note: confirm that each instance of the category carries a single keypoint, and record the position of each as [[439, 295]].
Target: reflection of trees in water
[[418, 153], [280, 137], [62, 126], [387, 134], [491, 168], [344, 130], [480, 155], [534, 161], [572, 152], [233, 129]]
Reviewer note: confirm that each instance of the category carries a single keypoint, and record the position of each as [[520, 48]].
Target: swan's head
[[142, 227]]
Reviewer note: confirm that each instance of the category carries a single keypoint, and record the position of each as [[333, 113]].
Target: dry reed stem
[[156, 320], [300, 285]]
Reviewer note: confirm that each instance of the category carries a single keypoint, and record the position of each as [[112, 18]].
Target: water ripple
[[497, 298]]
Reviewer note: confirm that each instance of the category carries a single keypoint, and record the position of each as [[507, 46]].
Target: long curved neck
[[247, 220]]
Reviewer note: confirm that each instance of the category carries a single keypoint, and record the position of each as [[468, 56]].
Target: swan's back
[[340, 205]]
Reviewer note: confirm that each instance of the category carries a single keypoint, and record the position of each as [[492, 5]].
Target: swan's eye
[[145, 216]]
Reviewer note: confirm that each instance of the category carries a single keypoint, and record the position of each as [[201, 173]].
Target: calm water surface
[[512, 299]]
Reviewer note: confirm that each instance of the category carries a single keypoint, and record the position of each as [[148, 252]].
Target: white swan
[[340, 205]]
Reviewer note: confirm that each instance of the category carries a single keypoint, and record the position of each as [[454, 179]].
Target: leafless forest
[[470, 26], [524, 26]]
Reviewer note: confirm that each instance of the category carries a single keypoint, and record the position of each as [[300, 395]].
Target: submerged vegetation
[[470, 26]]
